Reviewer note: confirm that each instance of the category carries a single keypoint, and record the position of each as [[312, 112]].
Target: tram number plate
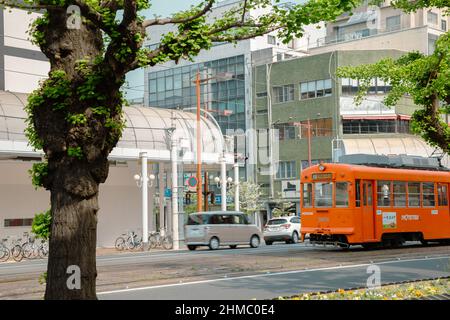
[[321, 176]]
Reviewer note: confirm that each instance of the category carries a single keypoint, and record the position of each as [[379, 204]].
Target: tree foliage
[[41, 225], [250, 194], [425, 78]]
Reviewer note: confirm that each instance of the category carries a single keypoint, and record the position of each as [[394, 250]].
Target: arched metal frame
[[146, 128]]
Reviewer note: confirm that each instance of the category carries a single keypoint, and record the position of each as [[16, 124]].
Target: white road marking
[[265, 275]]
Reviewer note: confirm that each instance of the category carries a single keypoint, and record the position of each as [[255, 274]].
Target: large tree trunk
[[72, 243], [73, 240]]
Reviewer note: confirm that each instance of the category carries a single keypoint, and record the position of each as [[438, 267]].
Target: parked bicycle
[[129, 241], [160, 239], [16, 247], [4, 251], [35, 248]]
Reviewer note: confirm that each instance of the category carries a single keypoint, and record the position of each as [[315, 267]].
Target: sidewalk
[[104, 251]]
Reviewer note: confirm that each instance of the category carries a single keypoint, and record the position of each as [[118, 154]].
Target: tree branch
[[129, 12], [92, 15], [157, 21], [244, 9]]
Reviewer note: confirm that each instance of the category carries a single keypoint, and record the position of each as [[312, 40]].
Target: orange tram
[[346, 204]]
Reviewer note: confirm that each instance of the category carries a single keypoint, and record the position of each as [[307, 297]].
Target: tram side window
[[413, 194], [341, 194], [307, 195], [399, 194], [323, 194], [369, 194], [358, 193], [442, 195], [428, 194], [384, 190]]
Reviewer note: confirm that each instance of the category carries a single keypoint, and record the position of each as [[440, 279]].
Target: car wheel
[[191, 247], [254, 241], [233, 246], [269, 243], [214, 243], [294, 238]]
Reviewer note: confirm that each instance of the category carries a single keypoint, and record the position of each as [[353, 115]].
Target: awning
[[147, 129], [412, 145]]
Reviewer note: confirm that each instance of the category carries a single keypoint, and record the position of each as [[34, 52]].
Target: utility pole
[[199, 147], [309, 142]]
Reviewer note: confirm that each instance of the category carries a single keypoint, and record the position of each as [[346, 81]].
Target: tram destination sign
[[322, 176]]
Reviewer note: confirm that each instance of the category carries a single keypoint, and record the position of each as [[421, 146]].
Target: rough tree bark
[[74, 181]]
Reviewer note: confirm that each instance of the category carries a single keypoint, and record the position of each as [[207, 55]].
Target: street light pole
[[144, 197], [199, 147]]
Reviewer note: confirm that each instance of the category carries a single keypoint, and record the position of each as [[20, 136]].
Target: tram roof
[[379, 173]]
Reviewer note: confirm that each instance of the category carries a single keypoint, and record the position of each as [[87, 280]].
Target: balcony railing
[[358, 35]]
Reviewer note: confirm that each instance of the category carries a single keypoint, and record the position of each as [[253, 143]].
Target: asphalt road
[[241, 273], [40, 265], [270, 285]]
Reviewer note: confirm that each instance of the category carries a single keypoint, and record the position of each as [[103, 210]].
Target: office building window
[[432, 18], [319, 128], [261, 94], [315, 89], [393, 23], [283, 93], [367, 126], [225, 97], [286, 132], [443, 25], [286, 170], [377, 86], [271, 39], [432, 43]]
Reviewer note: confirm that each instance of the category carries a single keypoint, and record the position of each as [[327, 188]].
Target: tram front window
[[323, 194], [341, 194]]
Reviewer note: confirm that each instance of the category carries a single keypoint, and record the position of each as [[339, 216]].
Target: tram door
[[368, 210]]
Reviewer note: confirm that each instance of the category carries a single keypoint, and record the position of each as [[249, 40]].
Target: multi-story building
[[22, 64], [315, 113], [229, 68], [383, 27]]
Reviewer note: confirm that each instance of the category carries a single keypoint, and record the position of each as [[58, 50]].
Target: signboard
[[167, 193], [218, 199], [322, 176], [191, 183], [389, 220]]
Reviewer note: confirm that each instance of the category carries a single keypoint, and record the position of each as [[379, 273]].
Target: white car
[[285, 229]]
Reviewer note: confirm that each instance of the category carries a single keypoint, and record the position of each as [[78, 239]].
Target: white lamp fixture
[[138, 179]]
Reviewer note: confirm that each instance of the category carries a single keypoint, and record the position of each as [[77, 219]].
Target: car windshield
[[276, 221], [196, 219]]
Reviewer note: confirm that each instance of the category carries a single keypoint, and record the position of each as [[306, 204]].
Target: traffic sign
[[192, 183]]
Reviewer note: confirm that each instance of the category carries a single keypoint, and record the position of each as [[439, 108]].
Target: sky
[[135, 79]]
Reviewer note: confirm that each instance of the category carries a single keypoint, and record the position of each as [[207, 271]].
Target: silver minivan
[[220, 228]]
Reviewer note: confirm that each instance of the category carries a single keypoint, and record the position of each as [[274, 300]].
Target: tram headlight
[[321, 167]]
